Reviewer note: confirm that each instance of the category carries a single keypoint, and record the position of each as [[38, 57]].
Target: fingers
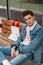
[[13, 53], [17, 52]]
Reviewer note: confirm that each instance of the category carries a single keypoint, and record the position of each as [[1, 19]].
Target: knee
[[1, 48]]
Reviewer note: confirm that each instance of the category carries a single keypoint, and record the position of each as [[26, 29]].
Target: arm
[[20, 38], [34, 43]]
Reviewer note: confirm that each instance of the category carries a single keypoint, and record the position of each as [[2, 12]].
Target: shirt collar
[[32, 27]]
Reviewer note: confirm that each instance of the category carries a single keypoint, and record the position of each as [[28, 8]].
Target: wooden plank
[[2, 33], [6, 39], [4, 42]]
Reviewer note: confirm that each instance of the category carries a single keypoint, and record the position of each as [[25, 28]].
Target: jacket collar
[[36, 28]]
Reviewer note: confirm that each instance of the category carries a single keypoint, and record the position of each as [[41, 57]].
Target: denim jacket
[[36, 38]]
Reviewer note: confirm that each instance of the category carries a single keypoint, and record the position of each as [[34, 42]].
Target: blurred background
[[36, 5], [11, 9]]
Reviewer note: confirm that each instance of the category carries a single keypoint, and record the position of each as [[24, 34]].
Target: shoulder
[[38, 27]]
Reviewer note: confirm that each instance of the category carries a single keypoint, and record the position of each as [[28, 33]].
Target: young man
[[28, 43]]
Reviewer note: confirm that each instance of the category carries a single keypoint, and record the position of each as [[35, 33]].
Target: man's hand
[[17, 52], [13, 52]]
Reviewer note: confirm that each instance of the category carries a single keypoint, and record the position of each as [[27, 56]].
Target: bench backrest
[[6, 26]]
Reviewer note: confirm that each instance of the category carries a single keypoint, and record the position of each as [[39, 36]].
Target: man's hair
[[28, 12]]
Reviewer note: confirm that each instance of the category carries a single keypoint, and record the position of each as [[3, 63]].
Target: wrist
[[14, 47], [18, 50]]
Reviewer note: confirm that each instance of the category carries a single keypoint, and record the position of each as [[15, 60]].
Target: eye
[[29, 18]]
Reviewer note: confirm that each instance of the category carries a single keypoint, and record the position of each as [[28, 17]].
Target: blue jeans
[[21, 58], [3, 52], [18, 60]]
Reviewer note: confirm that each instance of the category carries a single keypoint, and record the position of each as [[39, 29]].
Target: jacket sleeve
[[17, 43], [34, 43]]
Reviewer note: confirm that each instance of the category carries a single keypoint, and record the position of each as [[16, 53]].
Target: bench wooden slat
[[6, 26], [6, 38], [3, 42]]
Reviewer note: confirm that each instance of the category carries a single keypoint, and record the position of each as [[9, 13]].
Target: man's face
[[29, 20]]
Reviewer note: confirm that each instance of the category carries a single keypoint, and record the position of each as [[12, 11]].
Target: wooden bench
[[6, 31]]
